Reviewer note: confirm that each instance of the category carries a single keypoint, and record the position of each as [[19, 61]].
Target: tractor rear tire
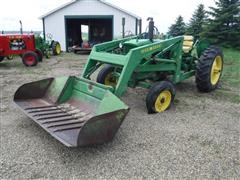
[[160, 97], [39, 55], [105, 76], [209, 69], [1, 58], [56, 48], [30, 58]]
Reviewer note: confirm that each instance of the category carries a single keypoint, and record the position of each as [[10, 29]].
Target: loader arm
[[134, 60]]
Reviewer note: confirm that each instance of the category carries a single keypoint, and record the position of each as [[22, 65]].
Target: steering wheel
[[144, 35], [49, 35], [155, 31]]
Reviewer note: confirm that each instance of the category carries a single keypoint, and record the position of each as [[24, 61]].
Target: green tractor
[[79, 111], [47, 46]]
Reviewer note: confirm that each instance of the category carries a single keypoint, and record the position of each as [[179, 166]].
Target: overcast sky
[[164, 12]]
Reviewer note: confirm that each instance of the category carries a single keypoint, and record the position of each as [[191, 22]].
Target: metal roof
[[102, 1]]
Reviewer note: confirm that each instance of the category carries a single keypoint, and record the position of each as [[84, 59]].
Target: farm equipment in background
[[79, 111], [96, 35], [85, 47], [48, 46], [20, 44]]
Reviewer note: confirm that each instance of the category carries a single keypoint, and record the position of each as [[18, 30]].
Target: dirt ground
[[198, 138]]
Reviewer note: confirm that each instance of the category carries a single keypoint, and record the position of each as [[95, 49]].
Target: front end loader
[[79, 111]]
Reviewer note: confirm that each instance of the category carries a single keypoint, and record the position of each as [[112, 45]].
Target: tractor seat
[[187, 44]]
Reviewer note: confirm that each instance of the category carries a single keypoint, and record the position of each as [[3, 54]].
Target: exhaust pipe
[[21, 29], [150, 28]]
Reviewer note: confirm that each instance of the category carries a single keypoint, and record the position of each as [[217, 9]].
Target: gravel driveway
[[198, 138]]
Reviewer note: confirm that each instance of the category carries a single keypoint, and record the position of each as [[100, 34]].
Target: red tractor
[[20, 44]]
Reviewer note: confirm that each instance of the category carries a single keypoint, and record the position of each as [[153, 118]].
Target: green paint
[[138, 62], [140, 59]]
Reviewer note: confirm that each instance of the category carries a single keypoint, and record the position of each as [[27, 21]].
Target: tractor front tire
[[209, 69], [39, 55], [106, 76], [1, 58], [30, 58], [10, 57], [47, 53], [56, 48], [160, 97]]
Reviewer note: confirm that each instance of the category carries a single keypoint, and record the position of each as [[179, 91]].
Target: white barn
[[104, 21]]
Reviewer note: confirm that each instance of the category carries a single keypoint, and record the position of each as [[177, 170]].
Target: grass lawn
[[231, 69], [230, 81]]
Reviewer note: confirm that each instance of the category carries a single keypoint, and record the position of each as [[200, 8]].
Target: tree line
[[220, 24]]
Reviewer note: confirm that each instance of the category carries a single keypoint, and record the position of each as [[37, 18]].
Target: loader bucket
[[76, 111]]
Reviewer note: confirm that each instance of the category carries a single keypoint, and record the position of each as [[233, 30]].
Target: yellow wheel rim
[[163, 101], [110, 80], [58, 49], [10, 57], [216, 70]]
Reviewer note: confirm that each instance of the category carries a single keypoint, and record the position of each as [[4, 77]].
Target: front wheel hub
[[163, 101]]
